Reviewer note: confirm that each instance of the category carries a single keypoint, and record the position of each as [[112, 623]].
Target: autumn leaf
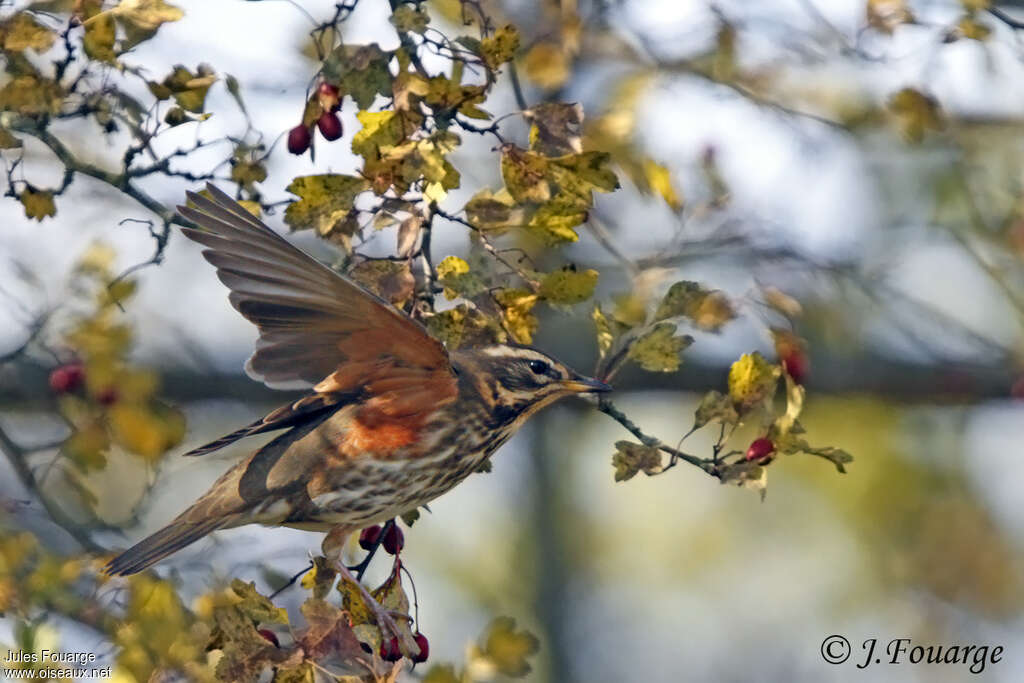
[[631, 458], [328, 632], [22, 32], [555, 128], [746, 474], [517, 305], [658, 349], [410, 19], [708, 309], [501, 47], [256, 606], [38, 204], [659, 180], [141, 19], [8, 141], [392, 281], [508, 649], [324, 201], [494, 211], [603, 330], [752, 380], [915, 113], [453, 273], [715, 407], [547, 65], [568, 285], [525, 174]]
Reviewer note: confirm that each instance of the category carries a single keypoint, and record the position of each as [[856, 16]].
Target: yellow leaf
[[325, 200], [38, 204], [752, 380], [31, 94], [915, 113], [517, 305], [604, 331], [886, 15], [547, 65], [23, 32], [660, 181], [140, 19], [507, 648]]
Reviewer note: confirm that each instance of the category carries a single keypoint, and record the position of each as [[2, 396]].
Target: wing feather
[[314, 324]]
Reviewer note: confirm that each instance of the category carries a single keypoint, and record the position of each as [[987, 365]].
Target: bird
[[390, 419]]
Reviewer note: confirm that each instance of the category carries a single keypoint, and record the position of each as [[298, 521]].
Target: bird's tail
[[170, 539]]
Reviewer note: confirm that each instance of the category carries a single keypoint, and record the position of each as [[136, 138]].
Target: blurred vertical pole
[[547, 535]]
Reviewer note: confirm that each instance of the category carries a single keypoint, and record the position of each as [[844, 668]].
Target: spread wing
[[315, 326]]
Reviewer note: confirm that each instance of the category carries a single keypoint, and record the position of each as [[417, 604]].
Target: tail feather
[[159, 545]]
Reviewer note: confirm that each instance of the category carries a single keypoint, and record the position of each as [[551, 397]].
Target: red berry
[[795, 365], [368, 537], [67, 378], [329, 125], [760, 448], [299, 139], [421, 641], [328, 97], [394, 540], [270, 636], [107, 397], [389, 650]]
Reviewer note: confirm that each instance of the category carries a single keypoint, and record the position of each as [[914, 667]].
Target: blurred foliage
[[75, 62]]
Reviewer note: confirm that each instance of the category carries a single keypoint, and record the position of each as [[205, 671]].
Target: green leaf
[[658, 350], [708, 309], [410, 19], [361, 71], [631, 458], [501, 47], [554, 221], [507, 648], [568, 285], [22, 32], [715, 407], [325, 200], [752, 380], [38, 203]]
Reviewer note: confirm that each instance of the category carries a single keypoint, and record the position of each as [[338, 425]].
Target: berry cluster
[[326, 101], [70, 379]]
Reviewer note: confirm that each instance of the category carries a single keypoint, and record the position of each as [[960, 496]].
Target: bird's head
[[519, 380]]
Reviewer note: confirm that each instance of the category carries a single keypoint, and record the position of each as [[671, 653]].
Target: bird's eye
[[539, 367]]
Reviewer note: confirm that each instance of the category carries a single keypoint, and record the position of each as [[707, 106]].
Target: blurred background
[[863, 156]]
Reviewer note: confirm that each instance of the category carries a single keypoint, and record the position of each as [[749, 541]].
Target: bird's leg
[[360, 569], [332, 547]]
